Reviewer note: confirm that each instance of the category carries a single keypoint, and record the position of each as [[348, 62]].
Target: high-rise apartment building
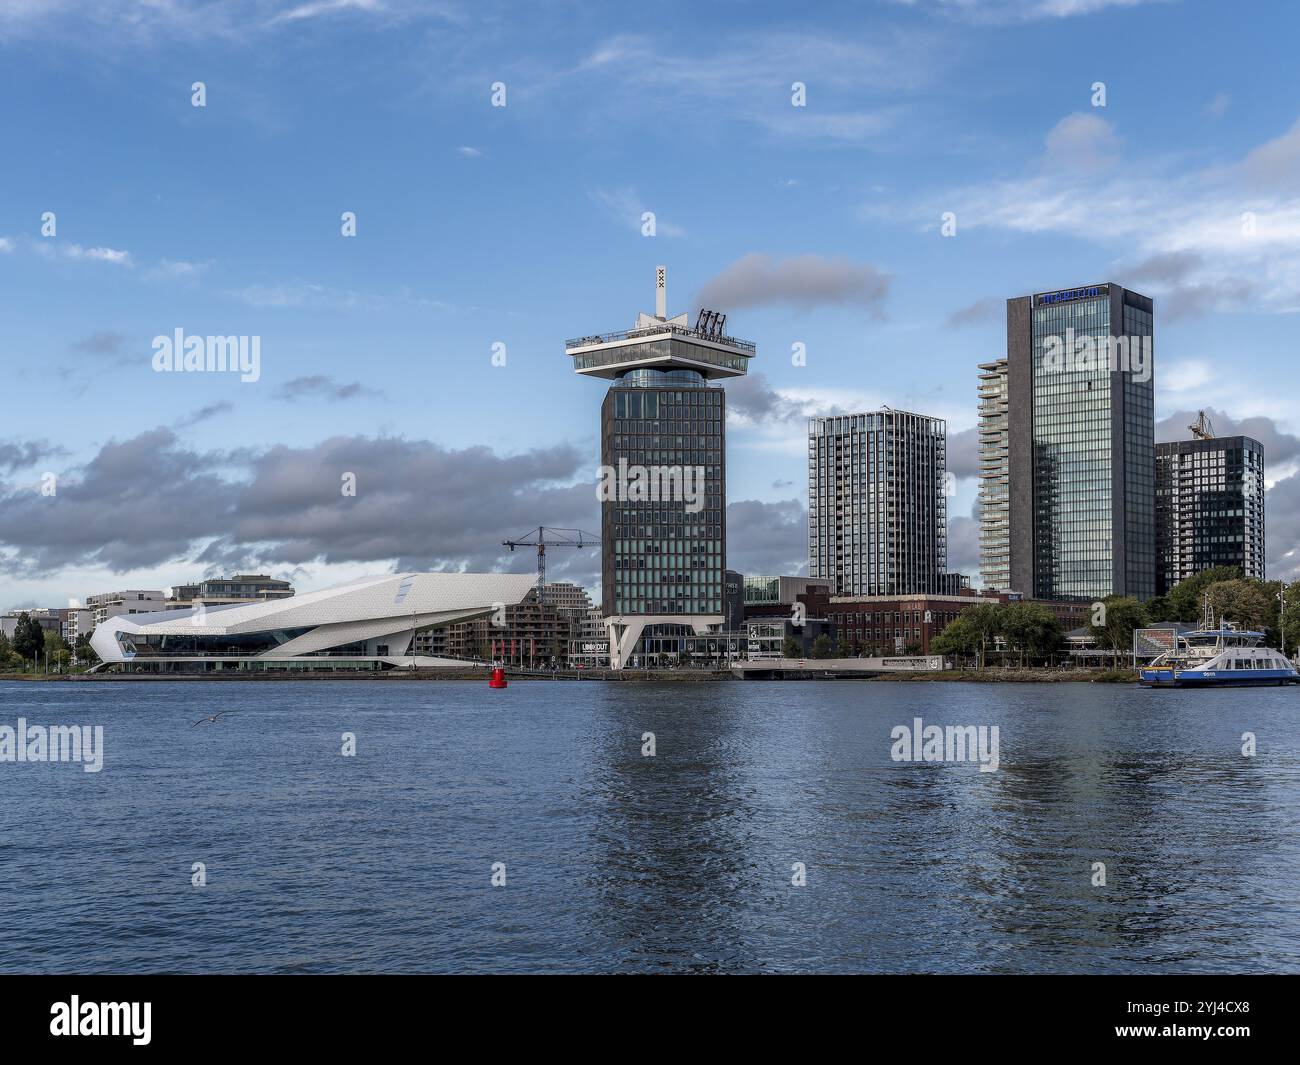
[[1081, 443], [663, 476], [994, 491], [877, 502], [1209, 507]]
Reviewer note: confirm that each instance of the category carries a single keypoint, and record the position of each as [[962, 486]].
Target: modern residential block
[[994, 478], [1209, 507], [877, 502]]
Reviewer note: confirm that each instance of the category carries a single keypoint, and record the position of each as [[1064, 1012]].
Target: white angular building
[[366, 624]]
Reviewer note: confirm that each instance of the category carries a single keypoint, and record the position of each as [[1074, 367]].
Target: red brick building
[[875, 624]]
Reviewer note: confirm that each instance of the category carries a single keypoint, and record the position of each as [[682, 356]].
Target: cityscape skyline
[[824, 234]]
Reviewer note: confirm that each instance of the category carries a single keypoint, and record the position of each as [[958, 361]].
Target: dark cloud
[[964, 543], [754, 399], [988, 309], [104, 342], [1279, 445], [803, 281], [319, 386], [20, 454], [204, 413], [1183, 287], [150, 501], [767, 538], [964, 453], [1282, 531]]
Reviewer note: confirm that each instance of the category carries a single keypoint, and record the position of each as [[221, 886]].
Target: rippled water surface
[[677, 862]]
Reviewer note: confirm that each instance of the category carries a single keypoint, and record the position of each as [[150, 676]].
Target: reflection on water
[[678, 862]]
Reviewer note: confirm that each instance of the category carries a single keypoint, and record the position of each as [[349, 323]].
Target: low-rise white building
[[369, 623]]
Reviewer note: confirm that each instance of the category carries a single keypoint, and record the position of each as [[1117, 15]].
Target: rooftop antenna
[[661, 293]]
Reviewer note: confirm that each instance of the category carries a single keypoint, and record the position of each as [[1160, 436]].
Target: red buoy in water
[[498, 678]]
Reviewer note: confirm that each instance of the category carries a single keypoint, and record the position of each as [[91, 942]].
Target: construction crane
[[1203, 429], [543, 537]]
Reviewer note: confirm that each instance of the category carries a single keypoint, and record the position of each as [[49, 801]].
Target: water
[[680, 862]]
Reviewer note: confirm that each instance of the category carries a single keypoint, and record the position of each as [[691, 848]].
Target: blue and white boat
[[1218, 657]]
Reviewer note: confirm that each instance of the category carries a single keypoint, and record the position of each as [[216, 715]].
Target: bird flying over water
[[210, 719]]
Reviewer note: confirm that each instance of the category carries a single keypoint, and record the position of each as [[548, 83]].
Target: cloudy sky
[[480, 226]]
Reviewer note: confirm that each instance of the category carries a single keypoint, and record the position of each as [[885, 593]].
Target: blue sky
[[521, 225]]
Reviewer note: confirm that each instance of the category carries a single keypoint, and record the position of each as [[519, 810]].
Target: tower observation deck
[[658, 342]]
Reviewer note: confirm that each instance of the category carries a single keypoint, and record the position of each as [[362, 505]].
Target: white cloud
[[325, 7], [854, 83], [1081, 141], [176, 270], [1021, 10], [626, 206], [235, 22], [1208, 231], [78, 253]]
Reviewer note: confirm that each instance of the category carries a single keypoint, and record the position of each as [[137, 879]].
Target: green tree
[[29, 637], [6, 651], [55, 645], [1159, 610], [821, 647], [959, 637], [1031, 630], [843, 649], [1121, 614], [1245, 602], [1184, 598], [84, 652], [986, 621], [792, 648], [1273, 616], [1289, 619]]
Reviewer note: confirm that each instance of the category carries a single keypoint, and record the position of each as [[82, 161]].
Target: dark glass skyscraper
[[663, 454], [1081, 443], [1209, 507]]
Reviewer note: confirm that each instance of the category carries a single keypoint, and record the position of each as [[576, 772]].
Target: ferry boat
[[1221, 656]]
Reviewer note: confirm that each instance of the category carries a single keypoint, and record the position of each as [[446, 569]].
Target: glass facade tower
[[1081, 443], [1209, 507], [661, 556], [663, 454]]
